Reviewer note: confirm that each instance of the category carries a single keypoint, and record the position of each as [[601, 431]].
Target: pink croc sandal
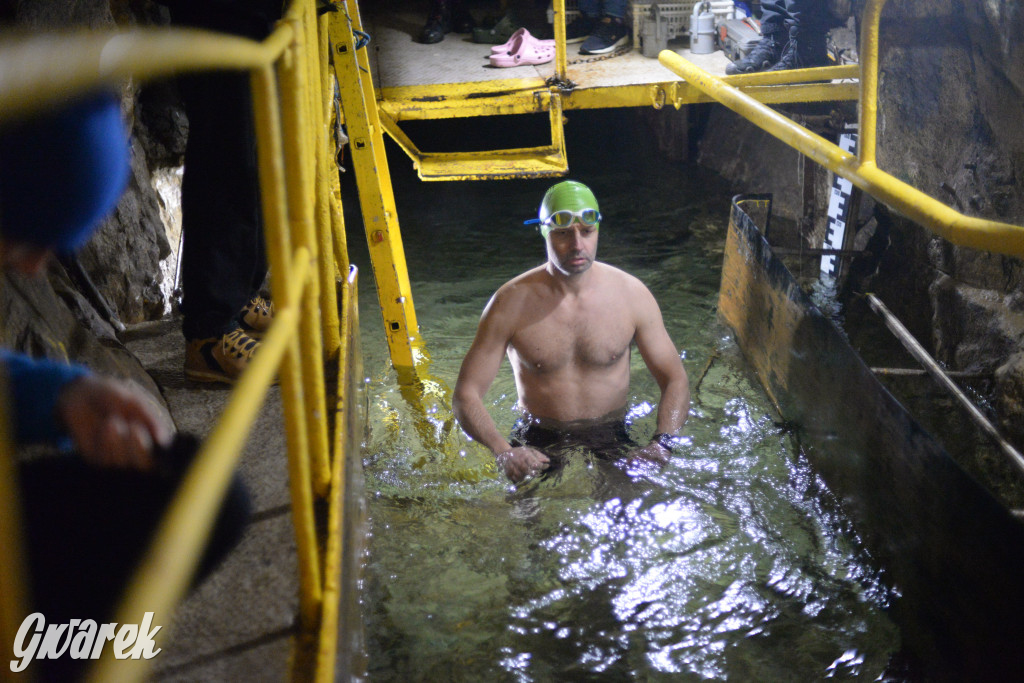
[[524, 52], [507, 47]]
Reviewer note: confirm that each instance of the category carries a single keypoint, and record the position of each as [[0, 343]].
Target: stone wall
[[954, 115], [51, 316], [951, 123]]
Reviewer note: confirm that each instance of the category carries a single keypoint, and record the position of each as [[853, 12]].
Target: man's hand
[[652, 452], [521, 462], [111, 423]]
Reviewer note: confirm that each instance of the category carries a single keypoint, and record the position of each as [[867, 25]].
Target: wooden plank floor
[[399, 60]]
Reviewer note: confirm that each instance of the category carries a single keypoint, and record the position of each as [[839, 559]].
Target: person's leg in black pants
[[223, 260], [793, 36]]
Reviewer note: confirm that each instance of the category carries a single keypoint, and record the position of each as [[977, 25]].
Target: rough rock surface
[[50, 316], [951, 97], [951, 90]]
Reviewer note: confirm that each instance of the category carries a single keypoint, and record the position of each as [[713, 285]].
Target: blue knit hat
[[62, 172]]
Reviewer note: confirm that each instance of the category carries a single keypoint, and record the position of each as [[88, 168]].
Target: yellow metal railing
[[13, 574], [304, 230], [861, 170]]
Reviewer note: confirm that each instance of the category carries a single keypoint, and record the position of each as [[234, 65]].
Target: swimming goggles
[[565, 218]]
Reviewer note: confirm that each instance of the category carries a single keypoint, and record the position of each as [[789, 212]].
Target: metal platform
[[399, 61], [454, 78]]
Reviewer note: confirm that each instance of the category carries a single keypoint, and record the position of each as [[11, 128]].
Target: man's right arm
[[479, 368]]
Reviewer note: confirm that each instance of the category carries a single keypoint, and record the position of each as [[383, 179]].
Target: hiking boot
[[802, 54], [219, 359], [609, 34], [765, 54], [577, 30], [256, 316]]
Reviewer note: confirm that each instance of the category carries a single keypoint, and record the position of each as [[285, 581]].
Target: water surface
[[729, 563]]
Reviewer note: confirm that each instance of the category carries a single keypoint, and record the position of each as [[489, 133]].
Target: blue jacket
[[35, 385]]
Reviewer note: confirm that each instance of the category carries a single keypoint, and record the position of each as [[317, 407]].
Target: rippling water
[[730, 563]]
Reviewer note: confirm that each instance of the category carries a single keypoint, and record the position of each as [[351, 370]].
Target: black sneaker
[[579, 28], [802, 54], [765, 54], [435, 28], [439, 22], [609, 34]]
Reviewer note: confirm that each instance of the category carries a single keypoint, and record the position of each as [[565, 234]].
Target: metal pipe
[[927, 211], [14, 591], [35, 70], [304, 466], [917, 351], [920, 372], [299, 179], [869, 41], [326, 656], [561, 60], [320, 97], [796, 251], [287, 293]]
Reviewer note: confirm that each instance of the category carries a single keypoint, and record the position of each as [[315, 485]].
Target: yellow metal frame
[[861, 170], [548, 161], [376, 197], [559, 94], [531, 96], [308, 256]]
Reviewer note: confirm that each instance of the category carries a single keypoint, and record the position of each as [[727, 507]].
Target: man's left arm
[[663, 362]]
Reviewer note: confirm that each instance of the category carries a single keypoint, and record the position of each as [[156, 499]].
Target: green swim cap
[[567, 194]]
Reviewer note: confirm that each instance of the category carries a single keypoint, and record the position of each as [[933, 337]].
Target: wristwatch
[[666, 440]]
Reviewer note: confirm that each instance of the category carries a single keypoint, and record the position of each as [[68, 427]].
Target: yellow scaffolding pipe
[[35, 70], [561, 59], [270, 149], [328, 638], [869, 44], [927, 211], [299, 177], [13, 572], [321, 98]]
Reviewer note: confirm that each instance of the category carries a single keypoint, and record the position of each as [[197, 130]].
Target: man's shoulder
[[617, 276], [523, 282], [517, 290]]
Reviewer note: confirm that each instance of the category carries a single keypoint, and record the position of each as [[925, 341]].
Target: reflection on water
[[727, 563]]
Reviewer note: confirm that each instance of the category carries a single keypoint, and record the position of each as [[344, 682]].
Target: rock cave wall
[[951, 123], [51, 316]]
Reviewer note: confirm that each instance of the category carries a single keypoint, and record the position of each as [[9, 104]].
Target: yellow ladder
[[425, 393], [376, 196]]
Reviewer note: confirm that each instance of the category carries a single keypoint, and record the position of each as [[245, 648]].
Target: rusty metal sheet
[[952, 553]]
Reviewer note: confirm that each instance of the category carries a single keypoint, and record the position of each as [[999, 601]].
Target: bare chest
[[589, 339]]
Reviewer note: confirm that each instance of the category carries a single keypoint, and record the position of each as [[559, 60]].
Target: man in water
[[567, 327]]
